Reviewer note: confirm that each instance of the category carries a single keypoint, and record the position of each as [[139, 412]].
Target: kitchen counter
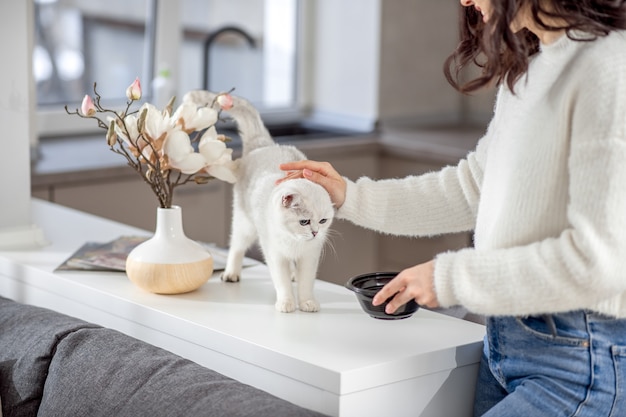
[[338, 361]]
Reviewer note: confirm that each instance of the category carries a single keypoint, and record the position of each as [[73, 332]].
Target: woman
[[544, 192]]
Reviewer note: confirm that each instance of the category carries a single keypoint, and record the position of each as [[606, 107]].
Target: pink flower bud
[[87, 108], [225, 101], [133, 92]]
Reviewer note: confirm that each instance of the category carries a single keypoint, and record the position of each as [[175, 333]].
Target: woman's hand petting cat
[[413, 283], [321, 173]]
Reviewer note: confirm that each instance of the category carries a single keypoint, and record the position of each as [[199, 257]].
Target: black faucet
[[209, 41]]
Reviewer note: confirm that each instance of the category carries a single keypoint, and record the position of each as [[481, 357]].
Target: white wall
[[416, 38], [17, 104], [381, 61], [345, 62]]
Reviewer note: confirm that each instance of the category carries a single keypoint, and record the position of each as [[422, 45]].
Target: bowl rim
[[366, 295], [350, 284]]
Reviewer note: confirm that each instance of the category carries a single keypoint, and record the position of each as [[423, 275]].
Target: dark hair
[[503, 55]]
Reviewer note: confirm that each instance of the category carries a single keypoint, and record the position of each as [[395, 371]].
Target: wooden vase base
[[169, 278]]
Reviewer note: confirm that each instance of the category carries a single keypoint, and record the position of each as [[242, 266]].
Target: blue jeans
[[571, 364]]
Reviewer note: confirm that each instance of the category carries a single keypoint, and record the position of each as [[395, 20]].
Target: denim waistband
[[578, 323]]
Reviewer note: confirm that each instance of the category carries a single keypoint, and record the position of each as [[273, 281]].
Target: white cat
[[290, 220]]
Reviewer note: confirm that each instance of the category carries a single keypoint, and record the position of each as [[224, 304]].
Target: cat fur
[[273, 215]]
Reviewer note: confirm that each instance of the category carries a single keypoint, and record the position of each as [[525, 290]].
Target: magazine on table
[[111, 256]]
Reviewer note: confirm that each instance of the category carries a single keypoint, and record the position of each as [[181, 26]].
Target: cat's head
[[305, 209]]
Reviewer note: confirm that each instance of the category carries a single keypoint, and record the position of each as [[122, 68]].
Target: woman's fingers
[[415, 283], [321, 173], [289, 175], [396, 289]]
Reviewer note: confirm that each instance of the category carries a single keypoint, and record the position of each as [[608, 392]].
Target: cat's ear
[[291, 200]]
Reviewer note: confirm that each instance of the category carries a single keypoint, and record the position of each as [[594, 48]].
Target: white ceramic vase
[[169, 262]]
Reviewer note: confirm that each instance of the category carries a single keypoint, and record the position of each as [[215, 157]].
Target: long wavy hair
[[503, 56]]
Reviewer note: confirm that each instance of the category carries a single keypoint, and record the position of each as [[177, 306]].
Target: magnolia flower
[[192, 118], [87, 107], [153, 132], [224, 170], [181, 155], [133, 92], [128, 131], [218, 157], [213, 156], [161, 145], [225, 101], [157, 123]]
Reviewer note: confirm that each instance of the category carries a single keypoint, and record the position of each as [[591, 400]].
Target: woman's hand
[[321, 173], [413, 283]]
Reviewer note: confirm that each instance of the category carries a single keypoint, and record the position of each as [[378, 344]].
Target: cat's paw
[[285, 306], [310, 306], [230, 277]]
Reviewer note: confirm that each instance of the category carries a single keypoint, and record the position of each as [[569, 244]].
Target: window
[[173, 46], [81, 41], [246, 44]]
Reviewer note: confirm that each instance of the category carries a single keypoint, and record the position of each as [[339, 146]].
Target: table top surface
[[339, 348]]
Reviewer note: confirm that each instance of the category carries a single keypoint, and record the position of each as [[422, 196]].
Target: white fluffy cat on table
[[290, 221]]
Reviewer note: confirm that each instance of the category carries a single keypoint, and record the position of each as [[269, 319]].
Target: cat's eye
[[305, 222], [323, 221]]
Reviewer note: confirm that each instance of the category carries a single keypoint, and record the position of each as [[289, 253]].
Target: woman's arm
[[433, 203]]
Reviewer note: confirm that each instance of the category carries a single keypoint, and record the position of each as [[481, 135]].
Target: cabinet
[[397, 253], [206, 208], [351, 250]]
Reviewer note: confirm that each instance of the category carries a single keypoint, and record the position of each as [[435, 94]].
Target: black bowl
[[367, 285]]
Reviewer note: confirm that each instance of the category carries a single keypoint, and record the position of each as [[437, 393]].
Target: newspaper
[[111, 256]]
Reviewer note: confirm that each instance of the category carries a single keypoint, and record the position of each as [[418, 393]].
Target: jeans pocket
[[619, 362], [539, 328]]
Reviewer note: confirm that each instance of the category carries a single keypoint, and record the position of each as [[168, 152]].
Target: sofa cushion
[[101, 372], [28, 337]]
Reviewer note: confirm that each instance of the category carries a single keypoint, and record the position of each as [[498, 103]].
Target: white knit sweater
[[544, 191]]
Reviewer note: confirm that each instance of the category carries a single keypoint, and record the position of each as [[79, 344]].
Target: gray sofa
[[55, 365]]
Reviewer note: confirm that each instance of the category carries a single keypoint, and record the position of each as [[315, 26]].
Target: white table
[[338, 361]]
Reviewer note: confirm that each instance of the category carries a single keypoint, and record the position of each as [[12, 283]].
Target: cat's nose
[[314, 233]]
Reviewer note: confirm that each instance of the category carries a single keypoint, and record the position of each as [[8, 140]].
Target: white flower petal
[[205, 117], [190, 164], [131, 124], [185, 111], [213, 150], [177, 145], [223, 172], [195, 118], [157, 123], [209, 134]]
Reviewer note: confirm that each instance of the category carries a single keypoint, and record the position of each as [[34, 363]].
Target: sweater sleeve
[[584, 266], [433, 203]]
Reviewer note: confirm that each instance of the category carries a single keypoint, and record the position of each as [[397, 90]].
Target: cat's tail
[[253, 132]]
